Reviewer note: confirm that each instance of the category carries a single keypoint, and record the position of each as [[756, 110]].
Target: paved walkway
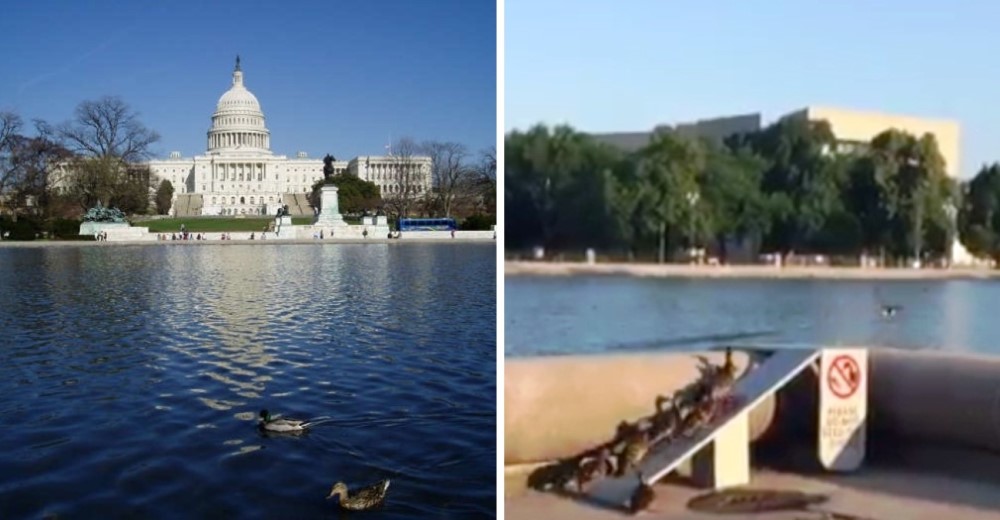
[[875, 494]]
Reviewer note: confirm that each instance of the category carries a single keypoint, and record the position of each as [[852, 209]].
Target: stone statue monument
[[100, 219], [100, 213]]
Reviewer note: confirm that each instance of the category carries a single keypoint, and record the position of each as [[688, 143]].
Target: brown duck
[[699, 416], [632, 454], [666, 421], [592, 467], [365, 498], [642, 497]]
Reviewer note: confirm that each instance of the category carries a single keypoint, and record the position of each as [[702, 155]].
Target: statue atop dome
[[237, 62]]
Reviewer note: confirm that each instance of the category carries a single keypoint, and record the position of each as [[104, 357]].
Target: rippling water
[[585, 314], [131, 377]]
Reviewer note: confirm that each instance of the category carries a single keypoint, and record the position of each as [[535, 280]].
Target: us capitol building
[[239, 175]]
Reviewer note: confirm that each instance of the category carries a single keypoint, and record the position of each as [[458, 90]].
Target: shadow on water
[[137, 373]]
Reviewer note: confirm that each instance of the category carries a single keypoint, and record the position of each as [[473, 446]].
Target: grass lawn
[[214, 224]]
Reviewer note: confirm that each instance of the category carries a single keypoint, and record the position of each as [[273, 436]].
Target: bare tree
[[406, 181], [107, 128], [10, 127], [482, 185], [111, 144], [451, 174], [26, 164]]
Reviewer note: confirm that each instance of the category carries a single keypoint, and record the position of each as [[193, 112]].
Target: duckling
[[664, 423], [642, 497], [592, 467], [275, 424], [699, 416], [724, 377], [364, 498], [635, 449]]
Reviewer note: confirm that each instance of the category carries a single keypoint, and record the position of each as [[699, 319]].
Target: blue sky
[[619, 66], [331, 76]]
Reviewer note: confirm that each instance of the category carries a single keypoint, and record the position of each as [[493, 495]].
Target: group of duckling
[[368, 497], [674, 418]]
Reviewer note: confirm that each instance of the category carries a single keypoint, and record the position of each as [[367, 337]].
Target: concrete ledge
[[516, 268], [877, 494], [934, 447]]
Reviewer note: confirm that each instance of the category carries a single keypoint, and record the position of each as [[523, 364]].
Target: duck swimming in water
[[364, 498], [889, 311], [279, 425]]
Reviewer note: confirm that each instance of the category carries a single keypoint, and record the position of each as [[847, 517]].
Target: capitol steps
[[298, 204], [188, 205]]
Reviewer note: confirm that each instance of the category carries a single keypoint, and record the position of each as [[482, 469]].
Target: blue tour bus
[[426, 224]]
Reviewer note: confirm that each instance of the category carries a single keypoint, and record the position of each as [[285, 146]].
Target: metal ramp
[[723, 446]]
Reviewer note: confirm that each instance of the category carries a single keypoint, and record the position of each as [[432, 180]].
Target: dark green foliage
[[354, 194], [478, 223], [24, 229], [164, 194], [979, 213], [64, 228], [784, 189]]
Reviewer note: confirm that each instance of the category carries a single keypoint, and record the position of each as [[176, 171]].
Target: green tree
[[735, 209], [979, 213], [799, 181], [556, 188], [916, 191], [354, 195], [668, 169], [164, 196]]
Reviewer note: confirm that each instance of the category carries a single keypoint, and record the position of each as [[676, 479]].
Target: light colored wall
[[559, 406], [856, 125], [381, 169]]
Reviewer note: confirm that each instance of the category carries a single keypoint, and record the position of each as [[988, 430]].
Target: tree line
[[464, 184], [790, 187], [99, 157]]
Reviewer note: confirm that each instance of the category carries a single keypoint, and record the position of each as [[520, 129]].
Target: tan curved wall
[[557, 407]]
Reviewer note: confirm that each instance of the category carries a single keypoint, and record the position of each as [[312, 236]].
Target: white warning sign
[[843, 408]]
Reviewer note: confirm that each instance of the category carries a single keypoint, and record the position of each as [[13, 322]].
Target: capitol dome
[[238, 97], [238, 121]]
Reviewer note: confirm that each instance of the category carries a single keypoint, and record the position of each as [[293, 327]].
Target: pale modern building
[[715, 130], [854, 130], [240, 175]]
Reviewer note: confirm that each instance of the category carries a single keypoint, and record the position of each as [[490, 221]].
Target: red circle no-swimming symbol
[[844, 376]]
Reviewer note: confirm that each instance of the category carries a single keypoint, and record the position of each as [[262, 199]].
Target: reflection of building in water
[[233, 306], [239, 175]]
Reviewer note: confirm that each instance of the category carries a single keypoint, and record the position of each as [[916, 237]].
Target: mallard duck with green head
[[278, 424], [365, 498]]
